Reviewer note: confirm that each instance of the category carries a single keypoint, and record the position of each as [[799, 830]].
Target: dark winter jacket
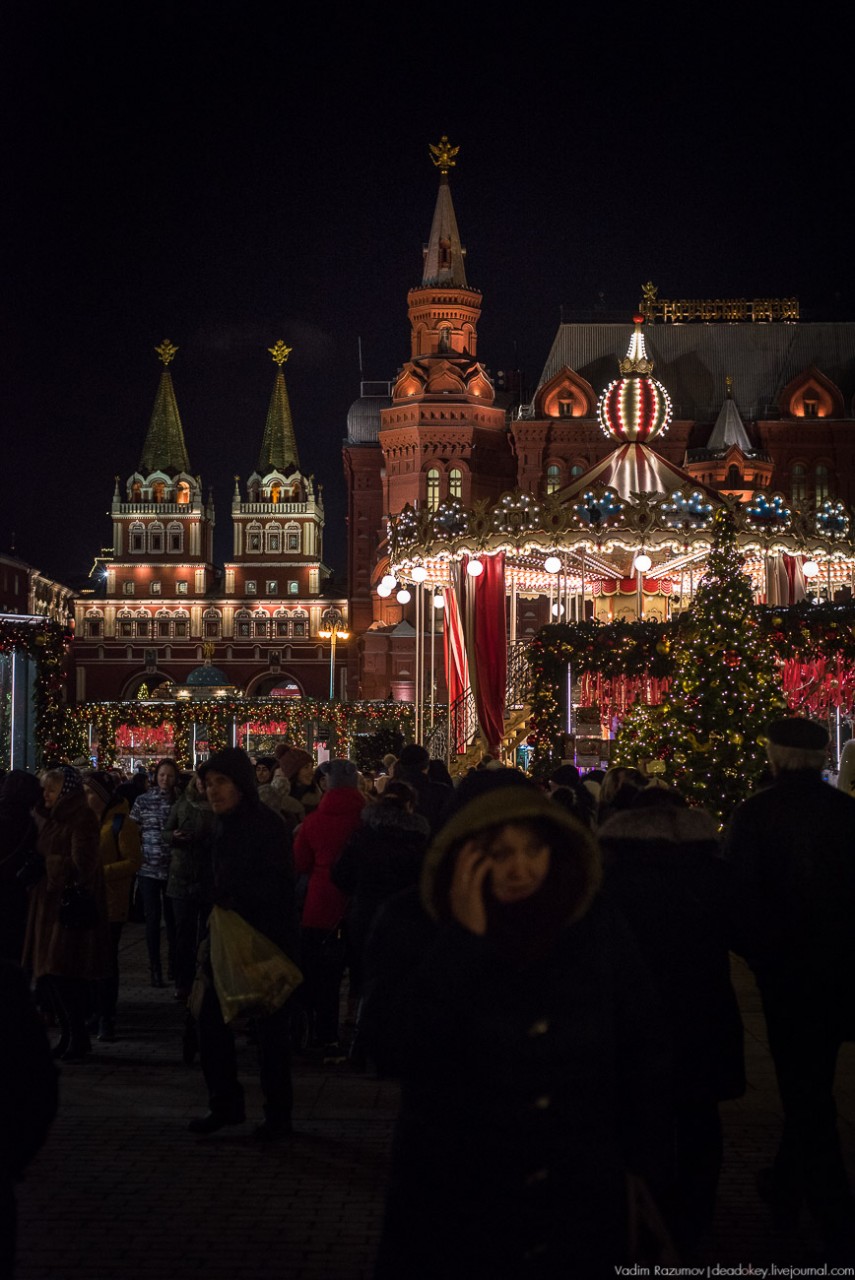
[[383, 856], [793, 849], [664, 872], [317, 845], [69, 842], [432, 796], [253, 870], [190, 863], [533, 1077]]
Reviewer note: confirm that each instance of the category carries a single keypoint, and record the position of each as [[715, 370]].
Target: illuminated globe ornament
[[636, 407]]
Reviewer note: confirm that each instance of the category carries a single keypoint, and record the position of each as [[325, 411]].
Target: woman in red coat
[[317, 845]]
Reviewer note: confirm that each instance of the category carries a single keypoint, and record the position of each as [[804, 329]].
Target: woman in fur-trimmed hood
[[517, 1011]]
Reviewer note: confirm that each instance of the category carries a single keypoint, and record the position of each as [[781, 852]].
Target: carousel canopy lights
[[552, 564], [419, 573], [810, 569], [474, 568], [642, 563], [403, 596]]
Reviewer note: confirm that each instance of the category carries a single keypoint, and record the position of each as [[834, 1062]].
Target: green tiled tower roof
[[164, 448], [279, 447]]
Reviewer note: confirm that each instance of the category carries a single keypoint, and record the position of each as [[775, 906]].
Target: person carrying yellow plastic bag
[[251, 974], [244, 962]]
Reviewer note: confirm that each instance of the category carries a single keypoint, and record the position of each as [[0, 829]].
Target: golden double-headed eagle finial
[[443, 154], [166, 351], [280, 352]]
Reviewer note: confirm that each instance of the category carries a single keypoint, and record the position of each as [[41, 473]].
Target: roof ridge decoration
[[444, 254], [279, 445], [164, 448]]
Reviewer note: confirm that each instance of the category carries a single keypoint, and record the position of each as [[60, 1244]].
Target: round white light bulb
[[419, 573], [388, 580], [438, 602], [474, 568], [403, 596], [642, 563], [552, 564], [810, 569], [557, 610], [384, 589]]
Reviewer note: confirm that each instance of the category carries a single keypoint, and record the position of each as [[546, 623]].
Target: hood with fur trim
[[663, 824], [570, 841]]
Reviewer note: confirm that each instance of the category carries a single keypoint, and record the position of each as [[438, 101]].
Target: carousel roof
[[634, 468]]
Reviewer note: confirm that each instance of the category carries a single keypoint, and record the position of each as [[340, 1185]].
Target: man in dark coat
[[253, 873], [662, 868], [793, 847], [432, 797]]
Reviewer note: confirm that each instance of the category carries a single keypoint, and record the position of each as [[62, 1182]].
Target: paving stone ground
[[121, 1191]]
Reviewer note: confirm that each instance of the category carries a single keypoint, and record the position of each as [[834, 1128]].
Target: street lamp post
[[332, 629]]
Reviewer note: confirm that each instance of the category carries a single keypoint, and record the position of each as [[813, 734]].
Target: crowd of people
[[544, 965]]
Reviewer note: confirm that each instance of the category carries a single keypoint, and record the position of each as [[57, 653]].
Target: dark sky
[[227, 175]]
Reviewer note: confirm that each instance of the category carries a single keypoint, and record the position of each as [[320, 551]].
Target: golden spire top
[[166, 351], [728, 383], [443, 154], [280, 352]]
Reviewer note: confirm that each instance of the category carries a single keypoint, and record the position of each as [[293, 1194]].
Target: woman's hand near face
[[467, 888]]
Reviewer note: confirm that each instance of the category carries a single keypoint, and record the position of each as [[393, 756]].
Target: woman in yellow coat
[[68, 958], [121, 859]]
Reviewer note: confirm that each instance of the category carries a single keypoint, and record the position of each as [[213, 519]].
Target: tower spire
[[444, 255], [279, 446], [164, 448]]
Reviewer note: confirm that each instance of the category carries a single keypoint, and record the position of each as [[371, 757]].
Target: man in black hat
[[793, 849], [253, 870]]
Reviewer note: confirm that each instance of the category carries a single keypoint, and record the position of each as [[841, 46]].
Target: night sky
[[228, 175]]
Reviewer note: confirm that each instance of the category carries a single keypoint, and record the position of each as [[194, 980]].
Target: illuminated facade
[[162, 615]]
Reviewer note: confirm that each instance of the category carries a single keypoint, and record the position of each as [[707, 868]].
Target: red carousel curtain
[[487, 644]]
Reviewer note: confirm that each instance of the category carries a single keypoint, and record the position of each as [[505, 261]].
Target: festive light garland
[[47, 643], [289, 715]]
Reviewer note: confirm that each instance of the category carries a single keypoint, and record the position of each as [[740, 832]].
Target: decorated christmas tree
[[707, 737]]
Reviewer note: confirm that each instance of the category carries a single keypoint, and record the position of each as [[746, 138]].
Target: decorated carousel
[[626, 544]]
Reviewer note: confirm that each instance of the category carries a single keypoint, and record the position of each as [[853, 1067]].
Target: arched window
[[137, 537], [211, 624], [292, 537], [158, 491], [823, 487], [243, 625], [455, 483], [798, 482], [181, 623], [432, 489], [280, 623], [182, 492], [273, 538], [553, 478], [175, 538], [93, 623], [275, 494], [155, 539], [253, 538], [262, 625], [136, 492], [576, 470]]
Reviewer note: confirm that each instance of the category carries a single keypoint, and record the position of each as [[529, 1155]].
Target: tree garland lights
[[734, 666], [706, 736]]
